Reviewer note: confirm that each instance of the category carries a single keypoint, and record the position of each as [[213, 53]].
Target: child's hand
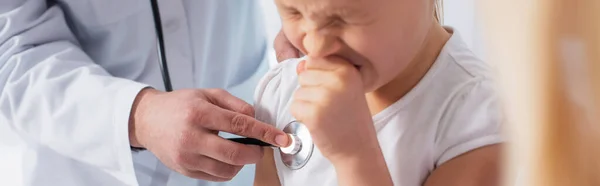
[[331, 103]]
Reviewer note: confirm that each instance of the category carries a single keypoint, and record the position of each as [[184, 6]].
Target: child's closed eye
[[288, 13]]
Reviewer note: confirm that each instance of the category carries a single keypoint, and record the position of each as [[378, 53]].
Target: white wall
[[461, 15]]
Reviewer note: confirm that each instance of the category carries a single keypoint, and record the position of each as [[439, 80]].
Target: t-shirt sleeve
[[472, 120], [273, 91]]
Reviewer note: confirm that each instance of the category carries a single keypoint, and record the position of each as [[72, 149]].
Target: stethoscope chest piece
[[299, 152]]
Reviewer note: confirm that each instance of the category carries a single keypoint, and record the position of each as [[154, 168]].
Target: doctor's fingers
[[227, 121], [284, 48], [224, 99], [230, 152], [203, 167], [202, 176]]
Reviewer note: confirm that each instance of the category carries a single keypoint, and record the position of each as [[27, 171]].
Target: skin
[[364, 55], [181, 129], [284, 48]]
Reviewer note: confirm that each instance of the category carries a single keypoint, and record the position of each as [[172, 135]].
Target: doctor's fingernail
[[282, 140]]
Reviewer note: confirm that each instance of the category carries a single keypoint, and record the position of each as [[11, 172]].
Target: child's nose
[[319, 44]]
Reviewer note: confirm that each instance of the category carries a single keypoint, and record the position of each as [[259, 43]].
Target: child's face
[[380, 37]]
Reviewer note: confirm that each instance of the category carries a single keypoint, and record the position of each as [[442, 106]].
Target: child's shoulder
[[462, 92], [457, 69], [274, 89], [461, 60], [282, 78], [285, 70]]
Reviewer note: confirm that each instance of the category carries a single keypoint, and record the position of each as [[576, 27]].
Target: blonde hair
[[438, 11]]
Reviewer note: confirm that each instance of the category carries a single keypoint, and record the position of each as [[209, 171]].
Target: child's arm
[[331, 103], [364, 170], [266, 172], [475, 168]]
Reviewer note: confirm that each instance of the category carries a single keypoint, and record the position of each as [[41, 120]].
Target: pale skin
[[364, 55]]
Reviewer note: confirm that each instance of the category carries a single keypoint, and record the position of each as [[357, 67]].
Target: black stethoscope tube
[[162, 59], [160, 46]]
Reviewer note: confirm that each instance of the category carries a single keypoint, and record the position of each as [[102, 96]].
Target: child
[[389, 96]]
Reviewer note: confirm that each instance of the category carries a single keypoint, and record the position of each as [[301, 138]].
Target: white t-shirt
[[452, 110]]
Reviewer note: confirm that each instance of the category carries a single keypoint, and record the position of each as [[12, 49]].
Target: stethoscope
[[294, 156]]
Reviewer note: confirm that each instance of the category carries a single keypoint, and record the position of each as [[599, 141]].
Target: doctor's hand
[[284, 48], [181, 128], [331, 103]]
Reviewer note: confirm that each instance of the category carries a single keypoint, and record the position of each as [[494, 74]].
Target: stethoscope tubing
[[160, 46]]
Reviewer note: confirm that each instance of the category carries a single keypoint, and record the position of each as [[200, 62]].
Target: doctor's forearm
[[137, 112]]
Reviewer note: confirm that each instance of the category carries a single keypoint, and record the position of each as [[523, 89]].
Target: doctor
[[80, 85]]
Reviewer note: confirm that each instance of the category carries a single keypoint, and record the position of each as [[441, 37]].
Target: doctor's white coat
[[70, 69]]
